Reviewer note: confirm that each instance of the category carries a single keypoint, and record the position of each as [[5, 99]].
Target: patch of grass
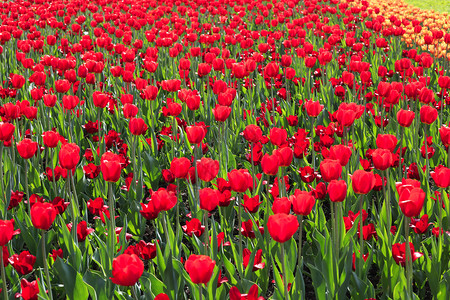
[[437, 5]]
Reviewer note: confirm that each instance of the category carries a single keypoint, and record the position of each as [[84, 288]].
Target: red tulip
[[302, 202], [363, 182], [272, 70], [180, 167], [51, 138], [209, 198], [337, 190], [207, 169], [386, 141], [251, 204], [165, 199], [221, 113], [252, 133], [137, 126], [382, 159], [313, 108], [195, 134], [441, 176], [278, 136], [399, 253], [194, 226], [127, 269], [330, 169], [130, 110], [30, 290], [7, 231], [23, 263], [428, 114], [270, 164], [27, 148], [411, 201], [6, 131], [200, 268], [110, 167], [69, 156], [281, 205], [341, 153], [43, 215], [444, 132], [240, 180], [282, 227], [151, 210], [285, 156], [100, 99]]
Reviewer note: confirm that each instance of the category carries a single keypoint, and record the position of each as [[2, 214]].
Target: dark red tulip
[[421, 225], [151, 210], [337, 190], [363, 182], [69, 156], [282, 227], [110, 166], [302, 202], [127, 269], [200, 268], [27, 148], [330, 169], [83, 231], [257, 262]]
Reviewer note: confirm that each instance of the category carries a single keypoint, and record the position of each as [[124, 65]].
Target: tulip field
[[223, 149]]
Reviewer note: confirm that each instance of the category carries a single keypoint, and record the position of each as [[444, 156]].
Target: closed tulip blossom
[[127, 269], [302, 202], [363, 182], [69, 156], [200, 268], [282, 227]]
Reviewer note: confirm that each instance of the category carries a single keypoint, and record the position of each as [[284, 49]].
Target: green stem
[[285, 277], [240, 226], [5, 287], [3, 196], [361, 235], [440, 222], [26, 186], [205, 220], [426, 155], [408, 263], [47, 275], [75, 206], [300, 242], [112, 233], [400, 154]]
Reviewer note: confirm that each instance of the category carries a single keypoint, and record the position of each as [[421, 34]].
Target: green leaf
[[74, 285]]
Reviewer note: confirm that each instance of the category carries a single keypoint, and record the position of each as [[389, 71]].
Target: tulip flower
[[127, 269], [200, 268]]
